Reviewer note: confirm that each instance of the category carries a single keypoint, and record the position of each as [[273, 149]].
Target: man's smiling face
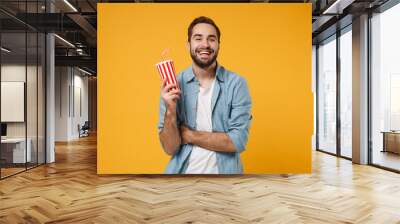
[[204, 45]]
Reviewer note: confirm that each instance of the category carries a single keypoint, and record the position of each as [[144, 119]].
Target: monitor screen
[[3, 129]]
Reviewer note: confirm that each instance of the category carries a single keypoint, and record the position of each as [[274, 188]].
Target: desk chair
[[84, 130]]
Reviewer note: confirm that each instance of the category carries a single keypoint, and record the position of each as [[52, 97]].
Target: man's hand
[[170, 93], [186, 134]]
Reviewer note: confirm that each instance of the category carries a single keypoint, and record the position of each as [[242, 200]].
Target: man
[[204, 123]]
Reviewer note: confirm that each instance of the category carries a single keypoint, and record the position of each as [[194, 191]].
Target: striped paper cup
[[167, 71]]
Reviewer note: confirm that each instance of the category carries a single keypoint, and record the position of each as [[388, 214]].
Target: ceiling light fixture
[[5, 50], [71, 6], [79, 51], [337, 7], [84, 71], [64, 40]]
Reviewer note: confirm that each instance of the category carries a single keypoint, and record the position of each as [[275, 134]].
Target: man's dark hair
[[202, 19]]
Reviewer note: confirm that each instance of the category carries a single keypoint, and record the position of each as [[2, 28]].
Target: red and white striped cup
[[167, 71]]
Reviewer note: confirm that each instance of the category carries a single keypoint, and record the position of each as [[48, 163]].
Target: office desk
[[391, 141], [13, 150]]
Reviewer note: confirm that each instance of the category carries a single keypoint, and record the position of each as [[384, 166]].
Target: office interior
[[376, 87], [48, 80], [49, 91]]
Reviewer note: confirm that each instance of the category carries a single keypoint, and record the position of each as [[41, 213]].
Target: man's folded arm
[[236, 138]]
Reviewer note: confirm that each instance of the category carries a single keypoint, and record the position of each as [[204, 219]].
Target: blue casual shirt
[[231, 114]]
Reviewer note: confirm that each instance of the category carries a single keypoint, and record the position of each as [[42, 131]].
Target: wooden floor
[[70, 191], [5, 172]]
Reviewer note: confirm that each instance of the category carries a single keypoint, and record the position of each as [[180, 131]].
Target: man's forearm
[[214, 141], [169, 136]]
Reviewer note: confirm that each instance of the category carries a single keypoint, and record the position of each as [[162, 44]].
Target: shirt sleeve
[[161, 116], [240, 116], [162, 111]]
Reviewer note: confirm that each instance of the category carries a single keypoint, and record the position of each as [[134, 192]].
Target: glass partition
[[22, 77], [14, 154]]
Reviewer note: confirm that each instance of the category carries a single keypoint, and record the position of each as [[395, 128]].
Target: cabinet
[[391, 142]]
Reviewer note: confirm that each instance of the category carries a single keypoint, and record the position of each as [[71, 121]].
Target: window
[[327, 95], [346, 93], [385, 88]]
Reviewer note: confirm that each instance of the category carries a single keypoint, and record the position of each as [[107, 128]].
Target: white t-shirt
[[201, 160]]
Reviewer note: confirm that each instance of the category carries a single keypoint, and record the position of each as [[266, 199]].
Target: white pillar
[[360, 90], [50, 92], [50, 110]]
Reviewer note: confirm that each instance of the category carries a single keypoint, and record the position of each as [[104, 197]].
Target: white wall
[[71, 93], [80, 84], [62, 78]]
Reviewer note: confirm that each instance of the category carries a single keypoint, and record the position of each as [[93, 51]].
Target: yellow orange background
[[268, 44]]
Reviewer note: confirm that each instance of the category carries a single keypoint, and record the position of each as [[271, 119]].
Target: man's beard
[[204, 64]]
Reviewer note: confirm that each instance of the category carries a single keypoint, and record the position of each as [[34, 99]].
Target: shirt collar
[[219, 74]]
